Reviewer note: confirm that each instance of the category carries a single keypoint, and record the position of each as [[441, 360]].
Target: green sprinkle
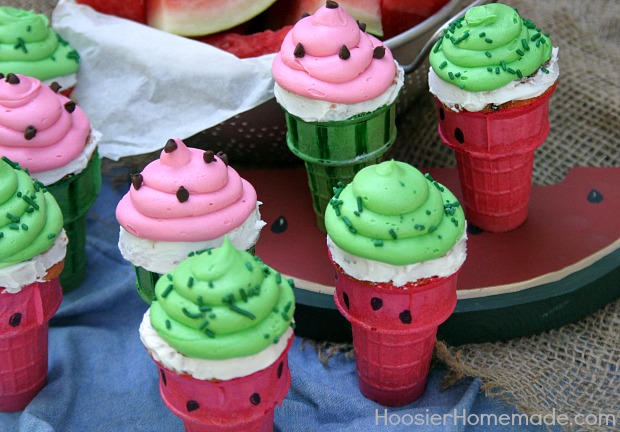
[[438, 45], [248, 265], [167, 291], [14, 226], [169, 276], [276, 339], [489, 68], [278, 278], [503, 64], [30, 201], [529, 24], [14, 165], [497, 70], [520, 52], [487, 40], [210, 284], [526, 47], [378, 243], [243, 312], [488, 54], [21, 44], [1, 234], [511, 71], [243, 295], [483, 34], [393, 233], [458, 74], [12, 218], [428, 177], [204, 308], [443, 64], [519, 73], [451, 75], [285, 317], [73, 55], [419, 227], [291, 282], [454, 221], [360, 208], [288, 306], [25, 227], [438, 186], [168, 325], [535, 37], [432, 229], [51, 236], [190, 282], [190, 314], [210, 333], [266, 335], [229, 299], [347, 221], [545, 70], [204, 324]]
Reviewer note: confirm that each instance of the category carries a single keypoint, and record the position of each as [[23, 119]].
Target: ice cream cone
[[75, 195], [24, 341], [240, 404], [495, 153], [394, 330], [335, 151]]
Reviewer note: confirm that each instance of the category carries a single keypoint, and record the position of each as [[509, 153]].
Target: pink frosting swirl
[[186, 195], [39, 128], [323, 72]]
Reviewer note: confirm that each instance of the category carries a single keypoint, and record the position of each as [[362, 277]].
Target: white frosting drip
[[526, 88], [204, 369], [162, 256], [14, 277], [76, 166], [312, 110], [375, 271]]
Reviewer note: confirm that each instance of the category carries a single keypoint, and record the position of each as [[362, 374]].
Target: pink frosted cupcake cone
[[240, 404], [394, 330], [23, 341], [495, 155]]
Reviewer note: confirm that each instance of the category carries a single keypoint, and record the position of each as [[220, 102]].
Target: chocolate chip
[[595, 197], [163, 377], [344, 53], [279, 225], [458, 134], [376, 303], [15, 320], [55, 87], [223, 156], [208, 156], [192, 405], [299, 51], [280, 369], [170, 146], [136, 180], [30, 132], [12, 78], [345, 297], [330, 4], [70, 107], [378, 52], [182, 194], [362, 26], [405, 317], [255, 399]]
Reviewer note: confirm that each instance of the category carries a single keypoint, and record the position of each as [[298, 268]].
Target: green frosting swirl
[[29, 46], [394, 214], [30, 219], [488, 48], [222, 303]]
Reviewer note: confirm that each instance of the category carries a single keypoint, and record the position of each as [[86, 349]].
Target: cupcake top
[[30, 219], [392, 213], [187, 195], [40, 129], [328, 56], [29, 46], [491, 46], [222, 303]]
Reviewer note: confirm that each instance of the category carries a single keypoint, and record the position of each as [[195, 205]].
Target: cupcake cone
[[75, 195], [394, 330], [24, 341], [240, 404], [334, 151]]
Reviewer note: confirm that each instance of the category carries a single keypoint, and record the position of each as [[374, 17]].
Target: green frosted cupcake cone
[[75, 195], [334, 151]]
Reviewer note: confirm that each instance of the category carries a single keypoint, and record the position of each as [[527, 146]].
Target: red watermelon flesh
[[130, 9], [398, 16], [248, 45]]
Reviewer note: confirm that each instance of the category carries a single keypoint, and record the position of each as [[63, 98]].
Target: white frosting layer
[[526, 88], [66, 81], [162, 256], [14, 277], [375, 271], [76, 166], [312, 110], [204, 369]]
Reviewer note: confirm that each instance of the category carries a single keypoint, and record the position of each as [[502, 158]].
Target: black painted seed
[[595, 197], [279, 225], [345, 297], [458, 134], [192, 405], [182, 194], [255, 399], [280, 369], [15, 319], [376, 303], [442, 114], [405, 317], [163, 377], [223, 156]]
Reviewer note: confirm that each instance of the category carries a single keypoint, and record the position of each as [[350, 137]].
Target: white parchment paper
[[141, 86]]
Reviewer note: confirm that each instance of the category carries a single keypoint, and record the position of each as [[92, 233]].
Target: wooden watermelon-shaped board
[[562, 264]]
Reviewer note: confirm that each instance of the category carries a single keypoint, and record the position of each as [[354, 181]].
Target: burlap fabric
[[574, 369]]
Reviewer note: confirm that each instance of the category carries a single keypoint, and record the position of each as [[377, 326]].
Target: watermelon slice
[[130, 9], [286, 12], [248, 45], [398, 16], [201, 17]]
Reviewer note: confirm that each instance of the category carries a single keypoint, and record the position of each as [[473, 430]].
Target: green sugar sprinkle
[[285, 317], [438, 45], [520, 52], [210, 333], [276, 339], [483, 34], [243, 295], [190, 314], [19, 194], [168, 325], [190, 282], [489, 68], [210, 284], [243, 312], [360, 208], [503, 64], [454, 221], [451, 75], [167, 291], [14, 226], [229, 299], [545, 70], [519, 73], [51, 236], [266, 335], [248, 265], [30, 201], [488, 54], [169, 276], [200, 300], [205, 308], [497, 70], [21, 44], [1, 234], [212, 315], [526, 47], [288, 306], [291, 282], [278, 278], [356, 213], [458, 74], [488, 40], [393, 233], [204, 324], [428, 177], [25, 227], [511, 71], [378, 243], [432, 229], [443, 64], [535, 37], [347, 221], [419, 227], [438, 186]]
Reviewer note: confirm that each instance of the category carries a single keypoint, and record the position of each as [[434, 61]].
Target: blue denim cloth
[[101, 378]]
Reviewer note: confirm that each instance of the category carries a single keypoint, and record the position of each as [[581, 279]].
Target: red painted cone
[[240, 404], [394, 330], [495, 154], [24, 324]]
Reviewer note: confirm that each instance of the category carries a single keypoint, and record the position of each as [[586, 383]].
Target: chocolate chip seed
[[330, 4], [12, 78], [223, 156], [170, 146], [299, 51], [344, 53], [208, 156], [378, 52], [30, 132], [182, 194], [55, 87], [70, 107], [136, 180]]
